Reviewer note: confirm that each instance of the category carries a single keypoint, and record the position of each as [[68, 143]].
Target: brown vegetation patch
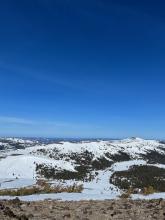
[[44, 188]]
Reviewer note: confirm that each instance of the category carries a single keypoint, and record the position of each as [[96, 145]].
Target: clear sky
[[87, 68]]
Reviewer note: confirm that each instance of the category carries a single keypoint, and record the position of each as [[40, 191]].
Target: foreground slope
[[93, 210]]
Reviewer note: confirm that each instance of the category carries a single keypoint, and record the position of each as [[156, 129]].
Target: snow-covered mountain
[[91, 162], [16, 143]]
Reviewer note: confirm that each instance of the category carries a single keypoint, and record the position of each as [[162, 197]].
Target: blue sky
[[73, 68]]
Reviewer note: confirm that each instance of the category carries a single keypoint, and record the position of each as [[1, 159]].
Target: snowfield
[[18, 166]]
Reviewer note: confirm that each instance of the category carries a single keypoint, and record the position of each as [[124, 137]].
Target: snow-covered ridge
[[14, 143], [18, 140], [133, 147]]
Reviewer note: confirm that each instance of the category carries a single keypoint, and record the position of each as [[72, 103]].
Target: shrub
[[47, 188], [148, 190], [127, 194]]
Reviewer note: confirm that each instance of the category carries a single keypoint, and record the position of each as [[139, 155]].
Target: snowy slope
[[24, 166]]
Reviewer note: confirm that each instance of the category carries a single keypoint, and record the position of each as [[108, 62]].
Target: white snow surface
[[16, 183], [160, 195]]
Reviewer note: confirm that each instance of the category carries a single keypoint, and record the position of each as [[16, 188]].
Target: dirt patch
[[83, 210]]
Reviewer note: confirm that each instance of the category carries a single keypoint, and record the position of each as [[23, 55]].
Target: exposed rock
[[92, 210]]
